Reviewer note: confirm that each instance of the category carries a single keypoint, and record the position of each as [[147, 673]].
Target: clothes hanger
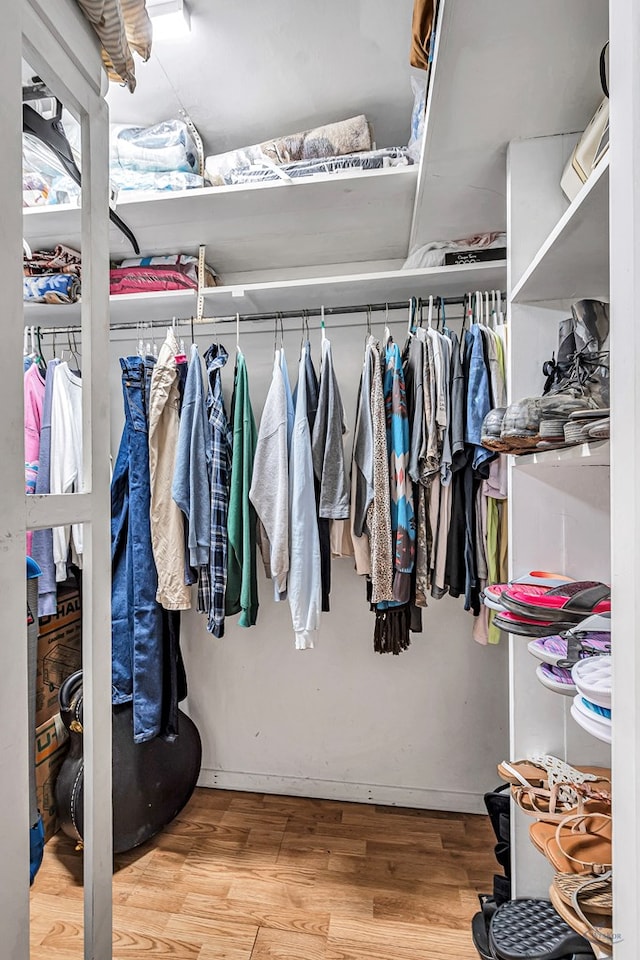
[[412, 309], [322, 324], [51, 133], [238, 350]]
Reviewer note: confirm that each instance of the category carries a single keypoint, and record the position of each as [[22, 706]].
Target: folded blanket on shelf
[[62, 259], [163, 148], [147, 280], [332, 140], [432, 254], [369, 160], [51, 288], [182, 262], [158, 182]]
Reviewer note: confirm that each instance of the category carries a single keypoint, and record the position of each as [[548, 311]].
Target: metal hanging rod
[[276, 315]]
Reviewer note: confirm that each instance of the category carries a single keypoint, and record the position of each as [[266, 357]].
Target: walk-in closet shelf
[[309, 293], [491, 83], [559, 516], [573, 261], [595, 454], [343, 218]]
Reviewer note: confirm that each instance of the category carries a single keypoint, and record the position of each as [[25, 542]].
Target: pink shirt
[[33, 400]]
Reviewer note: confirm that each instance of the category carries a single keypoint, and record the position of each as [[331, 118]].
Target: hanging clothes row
[[53, 458], [427, 506]]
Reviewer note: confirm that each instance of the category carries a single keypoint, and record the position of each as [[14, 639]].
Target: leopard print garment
[[379, 513]]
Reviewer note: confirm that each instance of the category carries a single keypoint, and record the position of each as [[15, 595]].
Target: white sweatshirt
[[269, 491], [305, 597], [66, 459]]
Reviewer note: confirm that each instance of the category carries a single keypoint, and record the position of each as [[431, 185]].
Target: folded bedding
[[369, 160], [433, 254], [51, 288], [157, 274], [164, 147], [62, 259], [331, 140]]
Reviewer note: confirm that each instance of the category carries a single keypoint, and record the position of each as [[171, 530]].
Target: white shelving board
[[308, 293], [342, 218], [573, 262], [488, 87], [138, 308], [381, 287], [594, 454]]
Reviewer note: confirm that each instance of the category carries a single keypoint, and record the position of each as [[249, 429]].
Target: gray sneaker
[[577, 381]]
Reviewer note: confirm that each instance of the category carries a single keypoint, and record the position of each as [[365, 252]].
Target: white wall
[[425, 728], [264, 68]]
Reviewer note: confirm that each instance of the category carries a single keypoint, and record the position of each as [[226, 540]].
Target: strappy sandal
[[593, 894], [545, 771], [596, 928], [580, 843], [561, 801], [569, 603]]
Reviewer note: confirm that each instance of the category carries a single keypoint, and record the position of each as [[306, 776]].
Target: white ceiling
[[255, 69]]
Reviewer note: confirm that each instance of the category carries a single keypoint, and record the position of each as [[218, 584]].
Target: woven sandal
[[592, 893], [581, 843], [595, 928]]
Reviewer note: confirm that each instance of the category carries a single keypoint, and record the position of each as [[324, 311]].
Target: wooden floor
[[242, 876]]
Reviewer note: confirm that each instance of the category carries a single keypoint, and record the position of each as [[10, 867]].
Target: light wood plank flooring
[[242, 876]]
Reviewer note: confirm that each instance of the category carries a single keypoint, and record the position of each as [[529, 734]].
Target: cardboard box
[[51, 749], [59, 651]]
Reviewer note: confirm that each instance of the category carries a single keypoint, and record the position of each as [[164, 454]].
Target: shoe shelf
[[594, 454], [573, 261]]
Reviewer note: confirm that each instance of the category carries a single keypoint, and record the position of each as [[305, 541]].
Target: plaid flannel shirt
[[221, 440]]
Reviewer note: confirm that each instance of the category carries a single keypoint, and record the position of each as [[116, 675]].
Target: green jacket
[[242, 584]]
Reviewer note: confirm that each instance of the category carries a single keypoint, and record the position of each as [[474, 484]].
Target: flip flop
[[595, 928], [601, 731], [528, 626], [491, 595], [557, 679], [569, 603], [592, 678], [581, 843], [554, 650]]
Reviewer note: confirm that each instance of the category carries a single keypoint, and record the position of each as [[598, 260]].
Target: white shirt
[[66, 459]]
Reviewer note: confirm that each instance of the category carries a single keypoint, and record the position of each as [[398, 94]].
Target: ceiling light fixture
[[170, 19]]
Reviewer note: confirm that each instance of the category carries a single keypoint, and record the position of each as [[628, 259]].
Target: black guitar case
[[152, 781]]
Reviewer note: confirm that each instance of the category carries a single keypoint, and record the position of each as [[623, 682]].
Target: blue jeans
[[137, 635]]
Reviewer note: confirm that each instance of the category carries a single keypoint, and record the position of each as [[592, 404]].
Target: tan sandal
[[595, 928], [581, 843], [547, 771], [593, 894], [561, 801]]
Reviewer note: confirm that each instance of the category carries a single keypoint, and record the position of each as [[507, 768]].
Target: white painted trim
[[46, 510], [96, 581], [457, 801], [624, 239], [14, 698]]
